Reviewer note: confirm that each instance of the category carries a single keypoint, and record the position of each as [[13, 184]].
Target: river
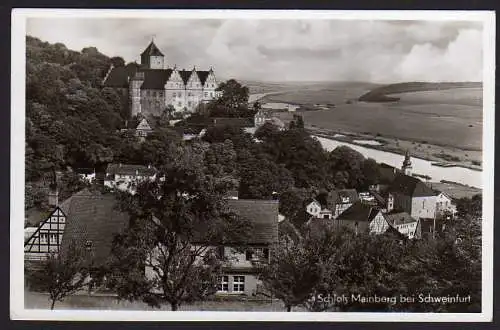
[[420, 166]]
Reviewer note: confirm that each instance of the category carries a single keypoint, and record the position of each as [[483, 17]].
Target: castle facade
[[151, 87]]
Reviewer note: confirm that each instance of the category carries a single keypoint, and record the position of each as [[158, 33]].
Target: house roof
[[359, 212], [263, 214], [130, 169], [93, 218], [83, 170], [236, 122], [334, 197], [399, 218], [143, 125], [411, 186], [152, 50]]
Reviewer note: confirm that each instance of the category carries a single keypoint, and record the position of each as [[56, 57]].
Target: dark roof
[[381, 201], [82, 170], [152, 50], [359, 212], [411, 186], [129, 169], [185, 75], [92, 218], [398, 218], [234, 122], [263, 214], [117, 77], [203, 76], [155, 79]]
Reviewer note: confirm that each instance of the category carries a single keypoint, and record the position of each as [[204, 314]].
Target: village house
[[445, 205], [263, 116], [362, 217], [405, 224], [330, 205], [87, 175], [91, 220], [151, 86], [125, 177], [411, 195]]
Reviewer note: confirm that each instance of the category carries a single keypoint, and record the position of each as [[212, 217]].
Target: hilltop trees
[[233, 101]]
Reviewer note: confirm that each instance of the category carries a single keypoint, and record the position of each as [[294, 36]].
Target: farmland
[[448, 118]]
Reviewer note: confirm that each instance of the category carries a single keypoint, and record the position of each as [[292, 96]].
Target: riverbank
[[470, 159]]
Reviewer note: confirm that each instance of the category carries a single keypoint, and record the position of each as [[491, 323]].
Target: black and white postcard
[[284, 165]]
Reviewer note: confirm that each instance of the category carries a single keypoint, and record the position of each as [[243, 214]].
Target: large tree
[[232, 102], [169, 254], [61, 274]]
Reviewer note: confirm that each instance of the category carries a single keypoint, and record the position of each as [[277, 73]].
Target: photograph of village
[[253, 165]]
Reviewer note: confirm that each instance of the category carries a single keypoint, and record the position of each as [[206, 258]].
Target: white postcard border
[[18, 61]]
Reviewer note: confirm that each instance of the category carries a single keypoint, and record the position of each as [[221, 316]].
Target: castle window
[[206, 94]]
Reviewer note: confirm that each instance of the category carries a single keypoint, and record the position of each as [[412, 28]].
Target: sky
[[286, 50]]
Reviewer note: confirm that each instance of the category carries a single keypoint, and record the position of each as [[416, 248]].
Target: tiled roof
[[359, 212], [185, 75], [155, 79], [263, 214], [92, 223], [399, 218], [203, 75], [152, 50], [235, 122], [129, 169], [117, 78], [411, 186]]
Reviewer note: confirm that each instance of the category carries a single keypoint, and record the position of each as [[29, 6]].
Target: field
[[448, 118]]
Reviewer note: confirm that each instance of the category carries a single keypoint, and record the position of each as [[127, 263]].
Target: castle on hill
[[152, 87]]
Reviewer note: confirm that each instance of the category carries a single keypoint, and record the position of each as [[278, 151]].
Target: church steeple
[[152, 57], [406, 168]]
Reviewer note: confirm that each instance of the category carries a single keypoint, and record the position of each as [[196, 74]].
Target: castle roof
[[152, 50], [155, 79]]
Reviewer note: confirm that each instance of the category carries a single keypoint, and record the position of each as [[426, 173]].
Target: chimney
[[53, 196]]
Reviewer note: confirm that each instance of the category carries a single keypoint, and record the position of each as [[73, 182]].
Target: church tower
[[406, 168], [152, 58]]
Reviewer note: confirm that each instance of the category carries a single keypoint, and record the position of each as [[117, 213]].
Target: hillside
[[70, 119], [381, 94]]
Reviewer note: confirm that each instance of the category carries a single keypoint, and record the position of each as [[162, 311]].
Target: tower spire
[[406, 168]]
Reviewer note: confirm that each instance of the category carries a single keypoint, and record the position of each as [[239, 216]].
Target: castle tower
[[407, 168], [135, 93], [152, 58]]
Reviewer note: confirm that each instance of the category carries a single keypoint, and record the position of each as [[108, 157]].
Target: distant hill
[[380, 94]]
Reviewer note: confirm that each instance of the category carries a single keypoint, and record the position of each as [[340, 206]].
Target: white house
[[125, 177], [404, 223], [444, 204]]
